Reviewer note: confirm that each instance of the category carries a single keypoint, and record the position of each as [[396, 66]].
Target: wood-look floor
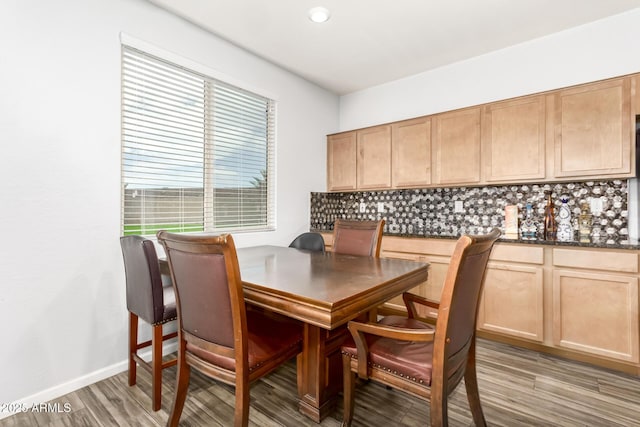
[[518, 388]]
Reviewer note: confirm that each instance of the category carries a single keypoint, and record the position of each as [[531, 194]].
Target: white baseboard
[[75, 384]]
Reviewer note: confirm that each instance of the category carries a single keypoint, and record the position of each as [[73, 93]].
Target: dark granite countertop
[[629, 245]]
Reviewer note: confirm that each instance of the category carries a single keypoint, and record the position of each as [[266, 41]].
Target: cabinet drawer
[[443, 247], [518, 253], [616, 261]]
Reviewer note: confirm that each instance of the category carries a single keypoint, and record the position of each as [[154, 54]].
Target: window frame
[[209, 221]]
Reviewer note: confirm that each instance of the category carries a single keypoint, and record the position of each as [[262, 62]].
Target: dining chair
[[217, 335], [310, 241], [423, 360], [357, 237], [150, 297]]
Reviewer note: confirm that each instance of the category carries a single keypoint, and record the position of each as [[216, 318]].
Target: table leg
[[320, 371]]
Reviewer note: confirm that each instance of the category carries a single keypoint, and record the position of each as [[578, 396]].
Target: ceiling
[[370, 42]]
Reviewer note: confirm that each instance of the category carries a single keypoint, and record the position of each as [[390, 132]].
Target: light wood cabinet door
[[341, 161], [431, 289], [437, 252], [512, 301], [374, 158], [596, 313], [594, 131], [411, 153], [456, 146], [514, 140]]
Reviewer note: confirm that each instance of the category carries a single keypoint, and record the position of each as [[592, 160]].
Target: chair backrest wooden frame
[[214, 287], [453, 339], [217, 334], [362, 238], [455, 334]]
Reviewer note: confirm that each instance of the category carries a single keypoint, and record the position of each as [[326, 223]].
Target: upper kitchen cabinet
[[456, 147], [341, 161], [594, 130], [514, 140], [584, 132], [411, 153], [373, 163]]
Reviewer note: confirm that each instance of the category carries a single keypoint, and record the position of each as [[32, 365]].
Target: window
[[197, 154]]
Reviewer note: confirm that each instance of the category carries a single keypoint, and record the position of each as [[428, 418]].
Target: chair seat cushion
[[406, 359], [270, 336]]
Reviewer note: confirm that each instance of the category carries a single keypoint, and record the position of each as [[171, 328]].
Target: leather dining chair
[[426, 361], [357, 237], [310, 241], [217, 335], [150, 297], [361, 238]]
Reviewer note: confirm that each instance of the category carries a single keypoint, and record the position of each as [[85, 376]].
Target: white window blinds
[[197, 154]]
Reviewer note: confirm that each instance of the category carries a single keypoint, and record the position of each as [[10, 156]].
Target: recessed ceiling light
[[319, 14]]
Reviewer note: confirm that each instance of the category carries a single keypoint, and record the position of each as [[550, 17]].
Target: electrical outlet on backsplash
[[432, 211]]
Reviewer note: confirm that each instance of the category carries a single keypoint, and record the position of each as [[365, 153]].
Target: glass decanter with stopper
[[528, 229], [565, 229], [584, 223]]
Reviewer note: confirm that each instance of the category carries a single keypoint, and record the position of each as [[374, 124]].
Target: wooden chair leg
[[133, 347], [182, 386], [438, 400], [241, 416], [349, 382], [156, 367], [471, 385], [438, 411]]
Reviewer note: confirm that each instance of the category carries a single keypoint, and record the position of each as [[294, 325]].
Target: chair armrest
[[410, 301], [358, 330], [393, 332]]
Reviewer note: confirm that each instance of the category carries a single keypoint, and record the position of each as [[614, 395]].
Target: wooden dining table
[[324, 291]]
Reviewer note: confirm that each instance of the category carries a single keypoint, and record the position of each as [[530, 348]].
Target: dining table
[[324, 291]]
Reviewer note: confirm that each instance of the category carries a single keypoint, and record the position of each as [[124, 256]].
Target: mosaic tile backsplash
[[431, 211]]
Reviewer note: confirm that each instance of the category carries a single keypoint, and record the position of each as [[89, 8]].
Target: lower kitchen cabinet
[[436, 252], [574, 302], [596, 311], [513, 298]]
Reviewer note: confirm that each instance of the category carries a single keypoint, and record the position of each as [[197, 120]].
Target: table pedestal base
[[320, 371]]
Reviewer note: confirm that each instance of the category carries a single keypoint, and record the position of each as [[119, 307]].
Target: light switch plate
[[363, 207], [458, 206], [380, 207]]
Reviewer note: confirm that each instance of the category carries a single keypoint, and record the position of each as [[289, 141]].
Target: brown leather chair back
[[357, 237], [218, 335], [459, 302], [209, 294], [406, 352], [145, 287]]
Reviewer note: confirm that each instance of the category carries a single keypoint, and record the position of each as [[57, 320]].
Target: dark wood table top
[[323, 289]]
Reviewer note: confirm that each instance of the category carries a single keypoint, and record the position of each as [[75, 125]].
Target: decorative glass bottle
[[550, 228], [529, 229], [584, 224], [565, 229]]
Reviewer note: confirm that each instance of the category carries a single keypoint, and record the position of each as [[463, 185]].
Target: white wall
[[595, 51], [599, 50], [62, 303]]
